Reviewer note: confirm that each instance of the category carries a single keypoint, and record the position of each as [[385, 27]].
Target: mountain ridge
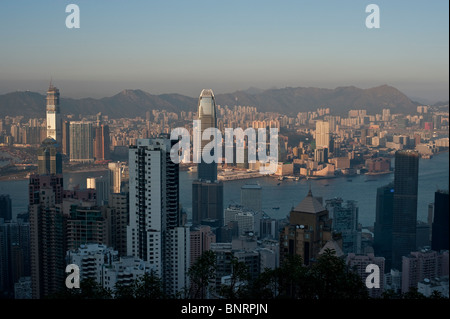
[[288, 100]]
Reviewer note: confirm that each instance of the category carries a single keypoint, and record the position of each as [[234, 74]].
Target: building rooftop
[[309, 205]]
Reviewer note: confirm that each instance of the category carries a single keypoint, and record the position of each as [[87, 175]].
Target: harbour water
[[433, 175]]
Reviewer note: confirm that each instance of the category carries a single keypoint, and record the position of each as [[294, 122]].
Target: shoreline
[[22, 176]]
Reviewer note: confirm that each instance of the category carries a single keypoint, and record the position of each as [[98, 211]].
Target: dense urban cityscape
[[129, 224], [224, 158]]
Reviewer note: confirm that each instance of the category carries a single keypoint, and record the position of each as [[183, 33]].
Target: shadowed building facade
[[383, 223], [49, 158], [440, 239], [308, 230], [406, 178]]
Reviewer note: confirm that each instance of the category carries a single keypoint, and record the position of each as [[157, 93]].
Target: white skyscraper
[[54, 123], [155, 232], [322, 134]]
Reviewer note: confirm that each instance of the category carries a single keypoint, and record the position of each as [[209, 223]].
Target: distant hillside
[[339, 100], [290, 101]]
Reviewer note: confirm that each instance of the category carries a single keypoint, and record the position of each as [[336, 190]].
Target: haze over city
[[184, 46], [229, 151]]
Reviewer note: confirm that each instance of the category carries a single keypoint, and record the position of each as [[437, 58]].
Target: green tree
[[413, 293], [333, 279], [238, 286], [149, 286], [201, 273], [123, 291], [89, 289]]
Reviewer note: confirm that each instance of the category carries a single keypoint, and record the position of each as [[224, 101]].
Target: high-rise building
[[101, 142], [420, 265], [47, 234], [321, 155], [54, 123], [102, 186], [247, 220], [87, 225], [81, 142], [118, 214], [322, 134], [308, 230], [405, 205], [251, 196], [440, 224], [207, 116], [383, 223], [207, 191], [345, 221], [5, 207], [115, 176], [66, 138], [49, 157], [201, 238], [207, 202], [359, 264], [155, 233], [269, 228], [14, 255]]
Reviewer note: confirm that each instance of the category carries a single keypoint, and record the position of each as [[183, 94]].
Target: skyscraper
[[383, 223], [308, 230], [54, 123], [49, 158], [66, 138], [207, 202], [87, 224], [101, 142], [207, 116], [207, 191], [118, 214], [81, 142], [102, 186], [47, 234], [322, 134], [406, 177], [440, 227], [345, 222], [14, 254], [155, 233], [5, 207]]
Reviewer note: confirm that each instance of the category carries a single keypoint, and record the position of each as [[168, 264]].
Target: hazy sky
[[185, 46]]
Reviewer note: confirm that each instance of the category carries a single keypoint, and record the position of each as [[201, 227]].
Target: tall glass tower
[[207, 116], [207, 191], [54, 123], [406, 177]]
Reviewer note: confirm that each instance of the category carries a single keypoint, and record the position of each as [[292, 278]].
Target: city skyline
[[157, 47], [92, 184]]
